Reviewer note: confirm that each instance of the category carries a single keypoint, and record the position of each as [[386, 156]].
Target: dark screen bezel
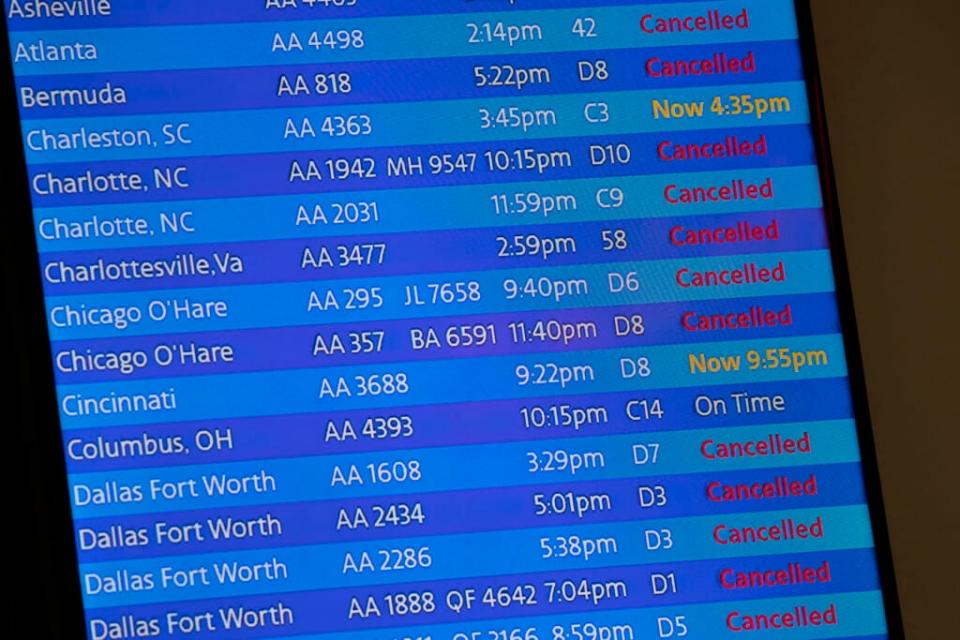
[[848, 322], [46, 557]]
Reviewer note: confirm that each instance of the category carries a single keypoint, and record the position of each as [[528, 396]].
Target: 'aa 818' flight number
[[319, 84]]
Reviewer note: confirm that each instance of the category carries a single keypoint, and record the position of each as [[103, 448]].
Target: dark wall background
[[891, 70]]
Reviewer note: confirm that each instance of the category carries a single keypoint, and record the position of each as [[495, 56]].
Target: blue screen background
[[448, 320]]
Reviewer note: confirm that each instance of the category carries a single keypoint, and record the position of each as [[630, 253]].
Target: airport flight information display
[[446, 320]]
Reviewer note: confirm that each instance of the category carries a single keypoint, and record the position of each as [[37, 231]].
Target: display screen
[[443, 319]]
